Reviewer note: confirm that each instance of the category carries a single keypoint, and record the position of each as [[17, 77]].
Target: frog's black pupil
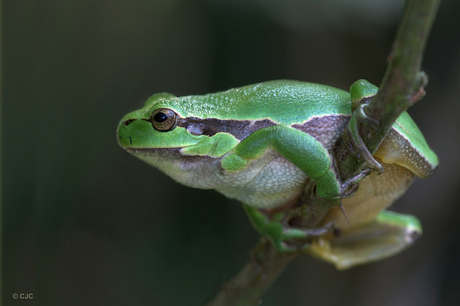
[[160, 117]]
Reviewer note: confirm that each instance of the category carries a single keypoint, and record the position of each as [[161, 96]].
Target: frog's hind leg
[[387, 235], [285, 237]]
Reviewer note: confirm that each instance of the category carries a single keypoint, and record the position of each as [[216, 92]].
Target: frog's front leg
[[283, 236], [301, 149]]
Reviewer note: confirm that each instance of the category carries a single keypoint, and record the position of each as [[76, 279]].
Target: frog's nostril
[[126, 122]]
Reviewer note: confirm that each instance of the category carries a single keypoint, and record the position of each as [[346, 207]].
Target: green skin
[[261, 144]]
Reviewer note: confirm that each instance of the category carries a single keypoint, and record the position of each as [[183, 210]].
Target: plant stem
[[262, 269], [403, 83]]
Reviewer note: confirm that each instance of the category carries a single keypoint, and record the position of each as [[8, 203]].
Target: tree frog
[[265, 144]]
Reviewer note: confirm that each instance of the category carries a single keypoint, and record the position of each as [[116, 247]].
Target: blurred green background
[[85, 223]]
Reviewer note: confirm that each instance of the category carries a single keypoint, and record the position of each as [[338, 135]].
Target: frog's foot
[[329, 186], [297, 238], [350, 186], [279, 229], [356, 140], [388, 234]]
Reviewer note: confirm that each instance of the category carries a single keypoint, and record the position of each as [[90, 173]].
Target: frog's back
[[282, 101]]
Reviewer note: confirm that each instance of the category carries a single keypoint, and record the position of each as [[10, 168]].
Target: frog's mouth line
[[172, 153], [154, 151]]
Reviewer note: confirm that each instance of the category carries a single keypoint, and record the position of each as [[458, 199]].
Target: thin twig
[[247, 287], [402, 85]]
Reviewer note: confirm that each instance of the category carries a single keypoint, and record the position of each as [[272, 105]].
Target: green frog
[[263, 144]]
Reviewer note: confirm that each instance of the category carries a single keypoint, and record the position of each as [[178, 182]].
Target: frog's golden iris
[[164, 119]]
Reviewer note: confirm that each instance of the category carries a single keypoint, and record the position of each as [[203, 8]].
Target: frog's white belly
[[267, 182]]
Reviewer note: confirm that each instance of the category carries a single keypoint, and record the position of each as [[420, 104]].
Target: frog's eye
[[163, 119]]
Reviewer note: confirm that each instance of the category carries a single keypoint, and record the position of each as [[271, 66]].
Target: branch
[[403, 83], [256, 276], [401, 87]]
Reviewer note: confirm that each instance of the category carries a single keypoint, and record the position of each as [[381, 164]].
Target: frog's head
[[166, 134], [154, 126]]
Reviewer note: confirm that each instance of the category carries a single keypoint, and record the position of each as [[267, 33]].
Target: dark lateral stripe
[[325, 129], [211, 126]]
